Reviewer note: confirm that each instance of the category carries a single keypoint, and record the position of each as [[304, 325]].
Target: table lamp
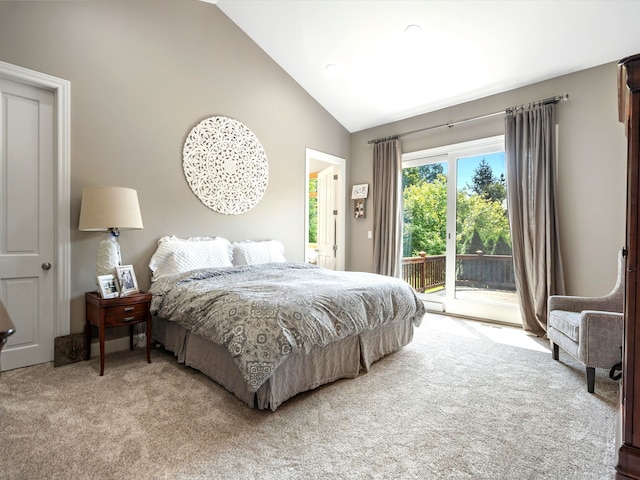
[[109, 209]]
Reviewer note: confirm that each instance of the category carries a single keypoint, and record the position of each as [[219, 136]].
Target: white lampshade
[[105, 208], [109, 209]]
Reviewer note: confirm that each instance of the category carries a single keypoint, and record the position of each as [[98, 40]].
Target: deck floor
[[479, 294]]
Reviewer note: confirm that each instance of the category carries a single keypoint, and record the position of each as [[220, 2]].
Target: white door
[[327, 218], [27, 213]]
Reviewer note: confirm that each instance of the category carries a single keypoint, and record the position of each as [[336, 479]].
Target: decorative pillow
[[177, 255], [254, 253]]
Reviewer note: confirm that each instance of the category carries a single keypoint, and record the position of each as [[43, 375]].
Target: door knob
[[46, 266]]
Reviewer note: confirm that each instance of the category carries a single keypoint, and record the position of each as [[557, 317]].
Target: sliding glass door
[[456, 239]]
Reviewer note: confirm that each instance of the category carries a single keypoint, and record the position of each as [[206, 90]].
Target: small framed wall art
[[127, 279], [359, 207], [359, 194], [360, 191]]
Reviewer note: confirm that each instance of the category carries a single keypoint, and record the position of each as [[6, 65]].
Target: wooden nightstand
[[116, 312]]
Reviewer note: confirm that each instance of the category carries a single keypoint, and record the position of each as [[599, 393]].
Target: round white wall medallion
[[225, 165]]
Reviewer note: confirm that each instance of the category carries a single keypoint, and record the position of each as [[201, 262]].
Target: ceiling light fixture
[[332, 69], [413, 31]]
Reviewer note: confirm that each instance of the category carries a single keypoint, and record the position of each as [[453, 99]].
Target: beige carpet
[[463, 401]]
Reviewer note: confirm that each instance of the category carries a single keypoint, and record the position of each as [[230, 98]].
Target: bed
[[267, 329]]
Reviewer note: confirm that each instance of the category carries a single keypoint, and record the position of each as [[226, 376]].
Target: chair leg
[[591, 379], [554, 350]]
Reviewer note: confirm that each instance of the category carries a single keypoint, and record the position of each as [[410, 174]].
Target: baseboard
[[434, 306], [117, 345], [628, 466]]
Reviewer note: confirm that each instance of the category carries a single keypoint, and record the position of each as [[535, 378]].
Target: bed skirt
[[299, 373]]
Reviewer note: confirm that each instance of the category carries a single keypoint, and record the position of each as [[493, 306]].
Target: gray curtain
[[387, 207], [531, 196]]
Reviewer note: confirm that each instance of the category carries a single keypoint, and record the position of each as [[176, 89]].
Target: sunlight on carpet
[[516, 337], [503, 334]]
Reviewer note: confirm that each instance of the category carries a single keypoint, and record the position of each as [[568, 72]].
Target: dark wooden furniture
[[628, 441], [116, 312], [6, 326]]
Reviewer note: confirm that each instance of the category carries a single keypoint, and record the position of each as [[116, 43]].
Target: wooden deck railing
[[486, 271], [482, 271], [424, 272]]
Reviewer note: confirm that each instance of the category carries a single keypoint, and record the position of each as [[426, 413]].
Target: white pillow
[[254, 253], [177, 255]]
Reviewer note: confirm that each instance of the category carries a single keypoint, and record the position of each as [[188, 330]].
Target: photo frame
[[360, 191], [127, 280], [108, 285], [359, 208]]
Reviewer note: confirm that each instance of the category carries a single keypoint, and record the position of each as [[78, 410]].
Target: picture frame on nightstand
[[108, 285], [127, 280]]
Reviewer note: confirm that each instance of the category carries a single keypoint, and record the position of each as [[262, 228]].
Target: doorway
[[327, 222], [35, 225], [456, 238]]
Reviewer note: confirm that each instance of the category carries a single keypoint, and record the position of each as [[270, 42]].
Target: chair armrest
[[608, 303], [601, 335]]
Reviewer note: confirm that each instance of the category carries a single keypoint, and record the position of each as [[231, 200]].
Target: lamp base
[[108, 256]]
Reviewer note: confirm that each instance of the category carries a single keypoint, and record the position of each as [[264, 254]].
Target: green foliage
[[502, 247], [423, 173], [425, 217], [483, 218], [482, 176], [475, 244], [313, 211], [487, 185], [481, 222]]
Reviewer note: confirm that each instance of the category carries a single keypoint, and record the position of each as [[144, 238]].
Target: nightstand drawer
[[123, 314], [116, 312]]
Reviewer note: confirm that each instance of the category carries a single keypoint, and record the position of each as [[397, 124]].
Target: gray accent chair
[[590, 329]]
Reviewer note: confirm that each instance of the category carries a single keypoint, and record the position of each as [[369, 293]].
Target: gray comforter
[[263, 313]]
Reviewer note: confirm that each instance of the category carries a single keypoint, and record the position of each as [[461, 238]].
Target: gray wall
[[142, 74], [591, 168]]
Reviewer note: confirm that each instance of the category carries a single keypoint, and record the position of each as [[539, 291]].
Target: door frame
[[315, 155], [62, 245], [492, 311]]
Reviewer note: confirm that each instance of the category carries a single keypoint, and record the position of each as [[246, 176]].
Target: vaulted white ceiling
[[466, 49]]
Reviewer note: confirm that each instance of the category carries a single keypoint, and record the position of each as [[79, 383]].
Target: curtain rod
[[546, 101]]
